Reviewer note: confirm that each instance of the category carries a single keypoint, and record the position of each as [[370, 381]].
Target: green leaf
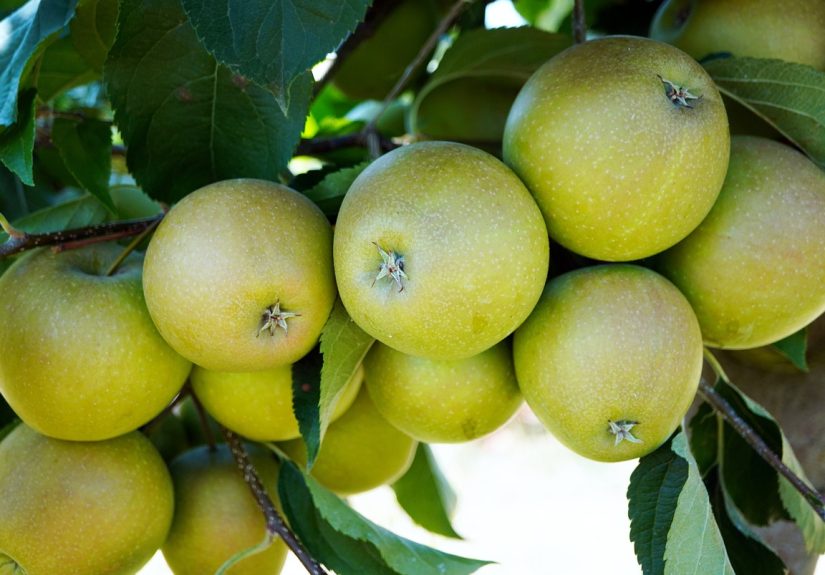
[[86, 149], [62, 68], [794, 348], [349, 543], [76, 213], [273, 43], [786, 95], [93, 30], [544, 14], [470, 94], [132, 203], [187, 120], [306, 395], [424, 493], [694, 543], [17, 142], [244, 553], [704, 438], [25, 31], [653, 493], [343, 345], [329, 192], [750, 486]]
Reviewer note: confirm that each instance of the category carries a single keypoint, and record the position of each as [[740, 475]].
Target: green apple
[[371, 70], [610, 360], [443, 401], [439, 250], [71, 507], [258, 405], [216, 515], [623, 142], [789, 30], [80, 358], [360, 451], [238, 276], [754, 269]]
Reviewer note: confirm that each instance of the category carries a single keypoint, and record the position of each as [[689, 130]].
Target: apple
[[789, 30], [258, 405], [610, 360], [754, 269], [371, 70], [80, 358], [360, 451], [81, 507], [238, 276], [623, 142], [216, 515], [439, 250], [443, 401]]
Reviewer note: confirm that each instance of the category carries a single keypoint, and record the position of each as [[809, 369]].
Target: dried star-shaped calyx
[[274, 317], [679, 95], [621, 429], [392, 267]]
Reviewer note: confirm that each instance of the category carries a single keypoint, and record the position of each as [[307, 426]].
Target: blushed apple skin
[[754, 269], [474, 245], [443, 401], [225, 254], [81, 507], [609, 343], [80, 358], [619, 171], [790, 30], [216, 515]]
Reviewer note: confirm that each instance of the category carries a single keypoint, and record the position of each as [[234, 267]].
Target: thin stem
[[12, 232], [131, 247], [425, 51], [579, 22], [275, 524], [78, 237], [204, 420], [326, 145], [726, 410]]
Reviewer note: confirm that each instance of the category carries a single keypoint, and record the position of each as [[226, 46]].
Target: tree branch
[[579, 22], [275, 524], [729, 414], [68, 239], [326, 145]]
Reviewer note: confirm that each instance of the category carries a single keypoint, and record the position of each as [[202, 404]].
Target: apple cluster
[[617, 151]]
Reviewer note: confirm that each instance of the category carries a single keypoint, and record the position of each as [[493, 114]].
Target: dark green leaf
[[786, 95], [273, 43], [329, 193], [653, 494], [425, 495], [704, 438], [76, 213], [188, 121], [306, 396], [132, 203], [544, 14], [86, 149], [349, 543], [469, 96], [27, 29], [93, 30], [8, 427], [17, 142], [794, 348], [61, 69], [694, 543]]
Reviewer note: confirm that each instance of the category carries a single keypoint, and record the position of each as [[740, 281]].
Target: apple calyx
[[680, 96], [274, 318], [621, 429], [392, 267]]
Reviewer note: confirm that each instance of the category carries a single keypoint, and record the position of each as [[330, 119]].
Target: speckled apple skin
[[474, 244], [80, 358], [81, 507], [222, 256], [754, 270], [619, 172], [609, 343]]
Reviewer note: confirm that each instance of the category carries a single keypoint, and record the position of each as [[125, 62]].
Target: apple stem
[[131, 247], [275, 524], [729, 414], [579, 22], [10, 229]]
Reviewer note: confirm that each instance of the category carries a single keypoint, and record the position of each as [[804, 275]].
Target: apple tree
[[256, 256]]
